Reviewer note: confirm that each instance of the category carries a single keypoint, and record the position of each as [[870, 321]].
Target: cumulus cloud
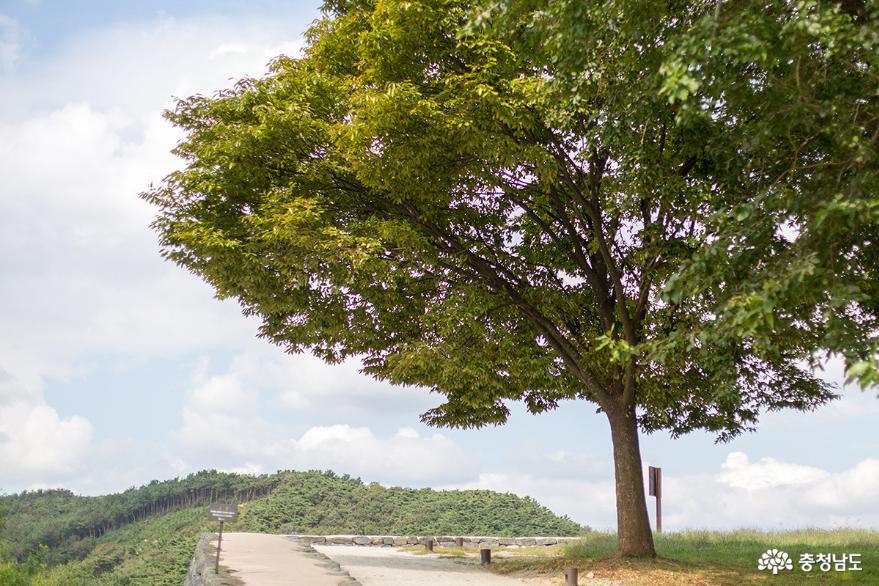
[[80, 137], [246, 444], [35, 443], [225, 424], [81, 134], [738, 472], [773, 494], [767, 494], [82, 269]]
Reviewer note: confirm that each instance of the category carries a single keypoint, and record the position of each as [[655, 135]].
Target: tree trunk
[[633, 524]]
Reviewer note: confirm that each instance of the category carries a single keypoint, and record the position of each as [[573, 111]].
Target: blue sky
[[117, 367]]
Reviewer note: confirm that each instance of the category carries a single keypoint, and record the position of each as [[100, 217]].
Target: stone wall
[[201, 568], [439, 541]]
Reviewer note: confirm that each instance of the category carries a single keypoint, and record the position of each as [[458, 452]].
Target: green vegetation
[[147, 535], [151, 552], [29, 573], [308, 503], [71, 525], [709, 557]]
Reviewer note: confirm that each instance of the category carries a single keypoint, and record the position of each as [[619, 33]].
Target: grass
[[703, 558]]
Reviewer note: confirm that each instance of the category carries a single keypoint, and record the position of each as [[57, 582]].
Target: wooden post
[[219, 545], [659, 512], [428, 543], [485, 556], [654, 476], [459, 541], [571, 576]]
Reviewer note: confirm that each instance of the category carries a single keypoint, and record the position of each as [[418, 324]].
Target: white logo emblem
[[775, 560]]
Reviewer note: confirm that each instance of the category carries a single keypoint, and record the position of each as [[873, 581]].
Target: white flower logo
[[775, 560]]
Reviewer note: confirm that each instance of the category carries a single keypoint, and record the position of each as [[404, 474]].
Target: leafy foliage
[[666, 208], [491, 207]]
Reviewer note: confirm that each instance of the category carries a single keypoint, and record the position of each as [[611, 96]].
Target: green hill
[[146, 535]]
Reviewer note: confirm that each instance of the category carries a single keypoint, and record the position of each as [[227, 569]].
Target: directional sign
[[654, 476], [223, 512]]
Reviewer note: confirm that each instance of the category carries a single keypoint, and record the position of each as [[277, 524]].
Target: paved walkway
[[276, 560], [387, 566]]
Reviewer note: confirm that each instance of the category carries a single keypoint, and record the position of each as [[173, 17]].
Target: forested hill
[[146, 534]]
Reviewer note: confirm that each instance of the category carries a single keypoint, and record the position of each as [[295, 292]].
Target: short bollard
[[485, 556], [571, 576], [459, 541], [429, 544]]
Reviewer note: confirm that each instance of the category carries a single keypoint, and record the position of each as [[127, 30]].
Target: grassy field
[[699, 558]]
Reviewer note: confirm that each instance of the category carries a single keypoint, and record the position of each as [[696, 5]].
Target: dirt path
[[257, 559], [387, 566]]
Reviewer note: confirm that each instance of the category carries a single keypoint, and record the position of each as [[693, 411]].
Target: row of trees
[[318, 503], [70, 524]]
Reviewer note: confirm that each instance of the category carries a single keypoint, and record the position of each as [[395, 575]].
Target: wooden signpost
[[222, 512], [655, 480]]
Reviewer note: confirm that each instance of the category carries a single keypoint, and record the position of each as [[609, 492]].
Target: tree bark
[[633, 523]]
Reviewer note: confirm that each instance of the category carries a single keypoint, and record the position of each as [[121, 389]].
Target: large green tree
[[665, 208]]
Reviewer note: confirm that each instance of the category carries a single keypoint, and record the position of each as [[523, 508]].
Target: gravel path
[[387, 566]]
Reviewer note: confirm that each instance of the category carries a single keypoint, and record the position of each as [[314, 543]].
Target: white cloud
[[773, 494], [851, 492], [82, 269], [738, 472], [135, 69], [224, 424], [767, 494], [34, 441], [302, 383], [404, 458], [81, 134]]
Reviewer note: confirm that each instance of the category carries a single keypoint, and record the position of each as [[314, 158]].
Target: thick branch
[[569, 354]]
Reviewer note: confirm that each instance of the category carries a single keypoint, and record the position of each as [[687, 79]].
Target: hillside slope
[[146, 535]]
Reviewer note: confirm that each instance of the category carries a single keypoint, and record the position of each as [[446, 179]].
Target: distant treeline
[[70, 524], [324, 503], [145, 533]]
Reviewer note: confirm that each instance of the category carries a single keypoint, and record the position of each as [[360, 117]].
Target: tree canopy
[[666, 208]]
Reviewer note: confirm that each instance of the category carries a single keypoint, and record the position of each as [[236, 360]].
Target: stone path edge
[[331, 565], [439, 541]]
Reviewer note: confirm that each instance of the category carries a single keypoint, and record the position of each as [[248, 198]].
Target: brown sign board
[[223, 512], [654, 477]]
